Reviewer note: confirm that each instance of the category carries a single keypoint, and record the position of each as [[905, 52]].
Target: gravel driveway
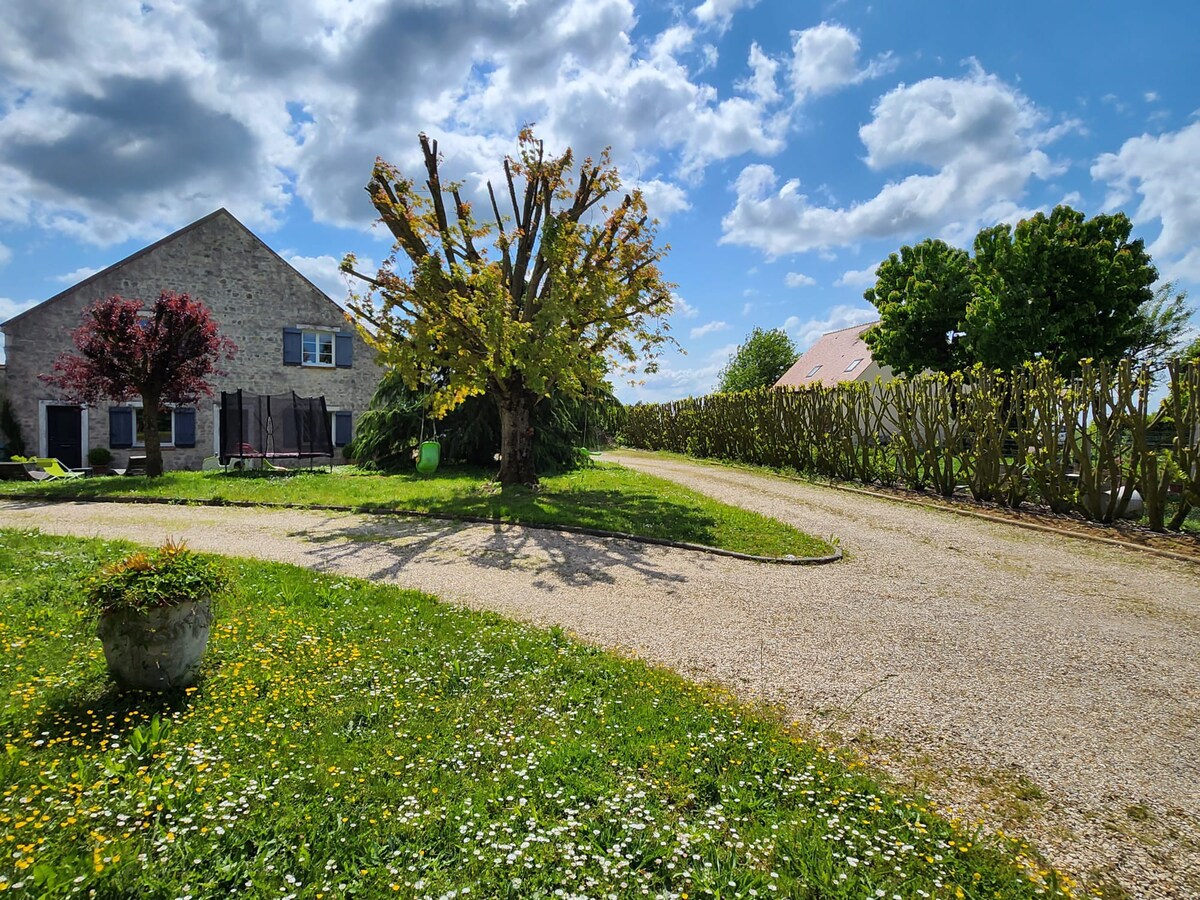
[[1049, 686]]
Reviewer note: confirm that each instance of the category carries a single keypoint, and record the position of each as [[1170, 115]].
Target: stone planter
[[156, 650]]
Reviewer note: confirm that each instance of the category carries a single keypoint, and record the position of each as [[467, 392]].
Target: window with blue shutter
[[120, 427], [345, 349], [342, 428], [292, 340], [185, 427]]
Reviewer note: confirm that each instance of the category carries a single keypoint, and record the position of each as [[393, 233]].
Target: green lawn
[[602, 496], [349, 739]]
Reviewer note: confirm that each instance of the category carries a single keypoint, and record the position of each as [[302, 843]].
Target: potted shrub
[[100, 458], [155, 612]]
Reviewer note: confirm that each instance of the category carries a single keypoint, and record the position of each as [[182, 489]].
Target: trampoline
[[273, 426]]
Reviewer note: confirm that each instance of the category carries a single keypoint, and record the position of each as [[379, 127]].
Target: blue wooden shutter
[[120, 427], [343, 349], [291, 346], [341, 428], [185, 427]]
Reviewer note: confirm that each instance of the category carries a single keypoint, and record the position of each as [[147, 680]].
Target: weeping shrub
[[390, 430]]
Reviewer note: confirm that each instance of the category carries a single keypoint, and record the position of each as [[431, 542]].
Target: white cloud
[[719, 12], [761, 83], [746, 308], [683, 308], [707, 329], [857, 278], [1151, 96], [5, 254], [678, 376], [10, 308], [134, 119], [1162, 170], [324, 273], [77, 276], [982, 138], [806, 331], [797, 279], [825, 58], [663, 198]]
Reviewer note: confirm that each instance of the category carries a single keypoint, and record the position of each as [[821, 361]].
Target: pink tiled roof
[[833, 352]]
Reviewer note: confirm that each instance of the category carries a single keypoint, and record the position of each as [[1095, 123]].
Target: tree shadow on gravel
[[387, 545]]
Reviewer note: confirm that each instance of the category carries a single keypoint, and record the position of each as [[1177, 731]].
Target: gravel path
[[1045, 685]]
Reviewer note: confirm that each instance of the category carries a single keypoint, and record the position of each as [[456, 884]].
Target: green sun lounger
[[55, 469]]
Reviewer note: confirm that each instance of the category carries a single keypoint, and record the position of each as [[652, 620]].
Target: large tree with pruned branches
[[571, 281]]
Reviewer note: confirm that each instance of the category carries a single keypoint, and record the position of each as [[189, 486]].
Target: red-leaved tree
[[165, 355]]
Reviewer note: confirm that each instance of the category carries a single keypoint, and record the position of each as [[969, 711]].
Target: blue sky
[[787, 147]]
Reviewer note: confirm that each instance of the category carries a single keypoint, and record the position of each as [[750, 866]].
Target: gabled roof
[[826, 362], [216, 214]]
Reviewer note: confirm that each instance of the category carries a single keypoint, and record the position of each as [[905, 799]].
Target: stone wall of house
[[253, 294]]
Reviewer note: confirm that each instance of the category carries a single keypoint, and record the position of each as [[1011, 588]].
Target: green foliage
[[573, 281], [1057, 287], [759, 361], [1060, 288], [1160, 328], [168, 576], [99, 456], [389, 432], [1030, 433], [351, 739], [922, 295], [11, 429]]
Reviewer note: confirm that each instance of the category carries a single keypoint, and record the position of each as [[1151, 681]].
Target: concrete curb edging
[[473, 520]]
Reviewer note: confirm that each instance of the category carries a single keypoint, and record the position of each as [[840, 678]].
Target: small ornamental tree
[[922, 294], [165, 355], [572, 283], [759, 362]]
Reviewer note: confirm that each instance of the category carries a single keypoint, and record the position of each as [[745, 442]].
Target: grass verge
[[602, 496], [349, 739]]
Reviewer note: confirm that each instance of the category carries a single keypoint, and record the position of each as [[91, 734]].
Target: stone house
[[290, 337]]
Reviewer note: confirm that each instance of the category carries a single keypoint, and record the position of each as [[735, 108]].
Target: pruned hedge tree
[[571, 280], [1079, 445]]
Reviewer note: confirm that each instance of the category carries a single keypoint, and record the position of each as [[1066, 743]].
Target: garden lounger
[[56, 469], [19, 471]]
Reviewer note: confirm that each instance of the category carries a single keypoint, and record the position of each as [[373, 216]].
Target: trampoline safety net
[[273, 426]]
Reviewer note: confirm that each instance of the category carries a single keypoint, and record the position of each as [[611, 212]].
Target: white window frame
[[854, 364], [815, 370], [319, 336], [136, 406]]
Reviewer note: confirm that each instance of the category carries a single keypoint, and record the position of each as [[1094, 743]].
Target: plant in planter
[[155, 612], [100, 458]]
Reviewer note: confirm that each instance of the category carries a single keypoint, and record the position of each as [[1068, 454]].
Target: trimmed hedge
[[1009, 438]]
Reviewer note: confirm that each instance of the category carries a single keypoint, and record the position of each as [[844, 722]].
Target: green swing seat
[[428, 457]]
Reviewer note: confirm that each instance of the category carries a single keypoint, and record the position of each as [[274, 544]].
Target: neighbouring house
[[290, 337], [836, 357]]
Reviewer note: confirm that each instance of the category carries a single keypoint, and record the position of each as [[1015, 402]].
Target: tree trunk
[[150, 412], [516, 436]]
